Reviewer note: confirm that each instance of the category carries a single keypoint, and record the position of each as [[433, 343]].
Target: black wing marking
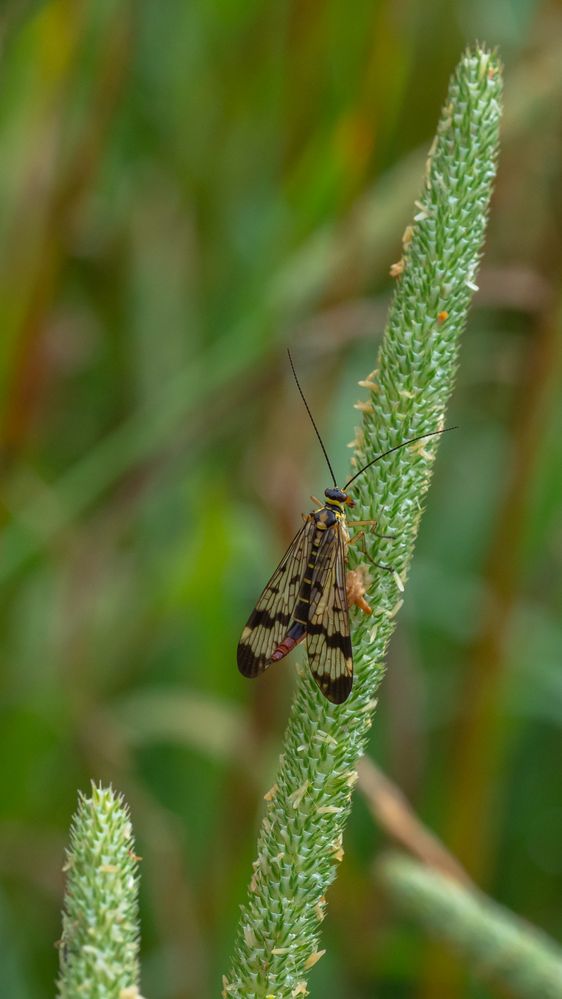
[[271, 616], [328, 640]]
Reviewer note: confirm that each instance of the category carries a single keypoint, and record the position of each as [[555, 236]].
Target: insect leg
[[356, 538], [370, 523], [387, 568], [361, 536]]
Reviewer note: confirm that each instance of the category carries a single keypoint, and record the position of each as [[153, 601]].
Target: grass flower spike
[[100, 934], [301, 838]]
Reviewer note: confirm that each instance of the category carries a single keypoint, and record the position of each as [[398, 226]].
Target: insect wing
[[328, 640], [271, 616]]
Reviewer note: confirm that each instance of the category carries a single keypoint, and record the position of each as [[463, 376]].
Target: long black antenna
[[432, 433], [312, 420]]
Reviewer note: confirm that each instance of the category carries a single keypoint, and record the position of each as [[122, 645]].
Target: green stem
[[498, 944], [299, 845]]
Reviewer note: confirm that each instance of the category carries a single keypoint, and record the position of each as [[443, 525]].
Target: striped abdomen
[[297, 630]]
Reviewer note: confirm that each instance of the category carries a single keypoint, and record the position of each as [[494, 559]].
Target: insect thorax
[[329, 515]]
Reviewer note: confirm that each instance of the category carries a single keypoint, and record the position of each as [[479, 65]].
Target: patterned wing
[[328, 641], [270, 618]]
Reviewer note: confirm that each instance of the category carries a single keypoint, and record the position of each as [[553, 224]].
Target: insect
[[306, 598]]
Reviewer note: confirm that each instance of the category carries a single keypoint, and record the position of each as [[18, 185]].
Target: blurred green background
[[185, 189]]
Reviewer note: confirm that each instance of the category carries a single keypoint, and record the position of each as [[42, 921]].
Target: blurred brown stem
[[396, 816]]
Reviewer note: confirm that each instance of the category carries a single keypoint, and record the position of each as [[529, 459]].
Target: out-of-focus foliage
[[184, 189]]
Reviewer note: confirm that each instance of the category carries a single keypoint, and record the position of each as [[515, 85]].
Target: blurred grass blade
[[207, 724], [497, 944]]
